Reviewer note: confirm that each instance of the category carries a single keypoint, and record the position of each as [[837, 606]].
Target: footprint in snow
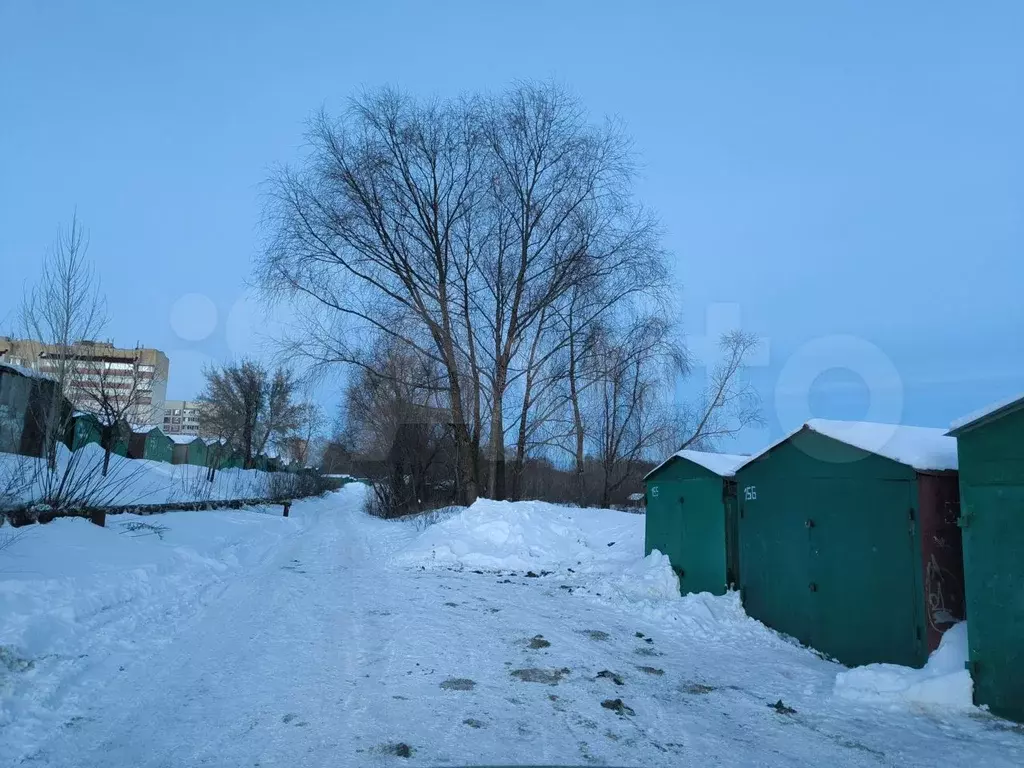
[[617, 679], [697, 689], [535, 675], [458, 684], [645, 651], [398, 749], [652, 670], [618, 707]]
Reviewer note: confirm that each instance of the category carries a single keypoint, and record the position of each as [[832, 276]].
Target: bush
[[296, 485]]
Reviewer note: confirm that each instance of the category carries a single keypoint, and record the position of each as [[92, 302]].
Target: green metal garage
[[150, 442], [849, 541], [188, 449], [991, 449], [691, 517]]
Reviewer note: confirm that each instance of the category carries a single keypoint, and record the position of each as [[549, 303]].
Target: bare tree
[[451, 227], [368, 231], [116, 389], [728, 403], [282, 415], [63, 307], [562, 211], [402, 437], [635, 368], [247, 404], [298, 446]]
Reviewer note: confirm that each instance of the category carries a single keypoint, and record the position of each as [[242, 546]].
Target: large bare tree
[[453, 227]]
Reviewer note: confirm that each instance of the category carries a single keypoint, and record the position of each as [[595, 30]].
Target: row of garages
[[26, 402], [864, 541], [150, 442]]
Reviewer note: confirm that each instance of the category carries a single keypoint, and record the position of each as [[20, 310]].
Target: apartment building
[[182, 417], [136, 375]]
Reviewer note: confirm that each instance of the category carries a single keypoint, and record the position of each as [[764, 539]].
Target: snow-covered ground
[[331, 638], [128, 481]]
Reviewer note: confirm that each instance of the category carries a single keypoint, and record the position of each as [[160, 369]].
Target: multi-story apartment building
[[136, 377], [182, 417]]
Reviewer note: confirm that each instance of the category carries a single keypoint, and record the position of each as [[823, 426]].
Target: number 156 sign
[[750, 493]]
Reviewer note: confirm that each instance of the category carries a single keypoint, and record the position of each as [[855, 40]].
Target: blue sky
[[822, 169]]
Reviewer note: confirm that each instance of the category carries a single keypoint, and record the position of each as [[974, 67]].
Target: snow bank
[[71, 593], [649, 579], [529, 535], [128, 481], [599, 553], [943, 682]]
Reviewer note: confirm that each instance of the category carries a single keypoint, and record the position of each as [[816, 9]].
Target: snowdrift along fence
[[31, 490]]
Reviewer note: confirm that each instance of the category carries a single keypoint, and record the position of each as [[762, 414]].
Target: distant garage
[[691, 517], [849, 539], [991, 455], [188, 449], [150, 442]]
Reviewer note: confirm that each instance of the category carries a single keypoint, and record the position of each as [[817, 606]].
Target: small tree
[[62, 308], [299, 445], [245, 403], [117, 390]]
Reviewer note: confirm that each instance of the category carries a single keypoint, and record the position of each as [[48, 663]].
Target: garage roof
[[723, 464], [922, 448]]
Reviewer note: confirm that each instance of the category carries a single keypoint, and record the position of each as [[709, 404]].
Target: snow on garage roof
[[184, 439], [723, 464], [922, 448], [27, 372], [988, 410]]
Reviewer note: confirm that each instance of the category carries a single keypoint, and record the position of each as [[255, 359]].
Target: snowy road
[[329, 653]]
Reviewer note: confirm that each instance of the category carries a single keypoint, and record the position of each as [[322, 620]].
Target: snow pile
[[649, 579], [73, 593], [529, 535], [128, 481], [943, 682], [597, 552]]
